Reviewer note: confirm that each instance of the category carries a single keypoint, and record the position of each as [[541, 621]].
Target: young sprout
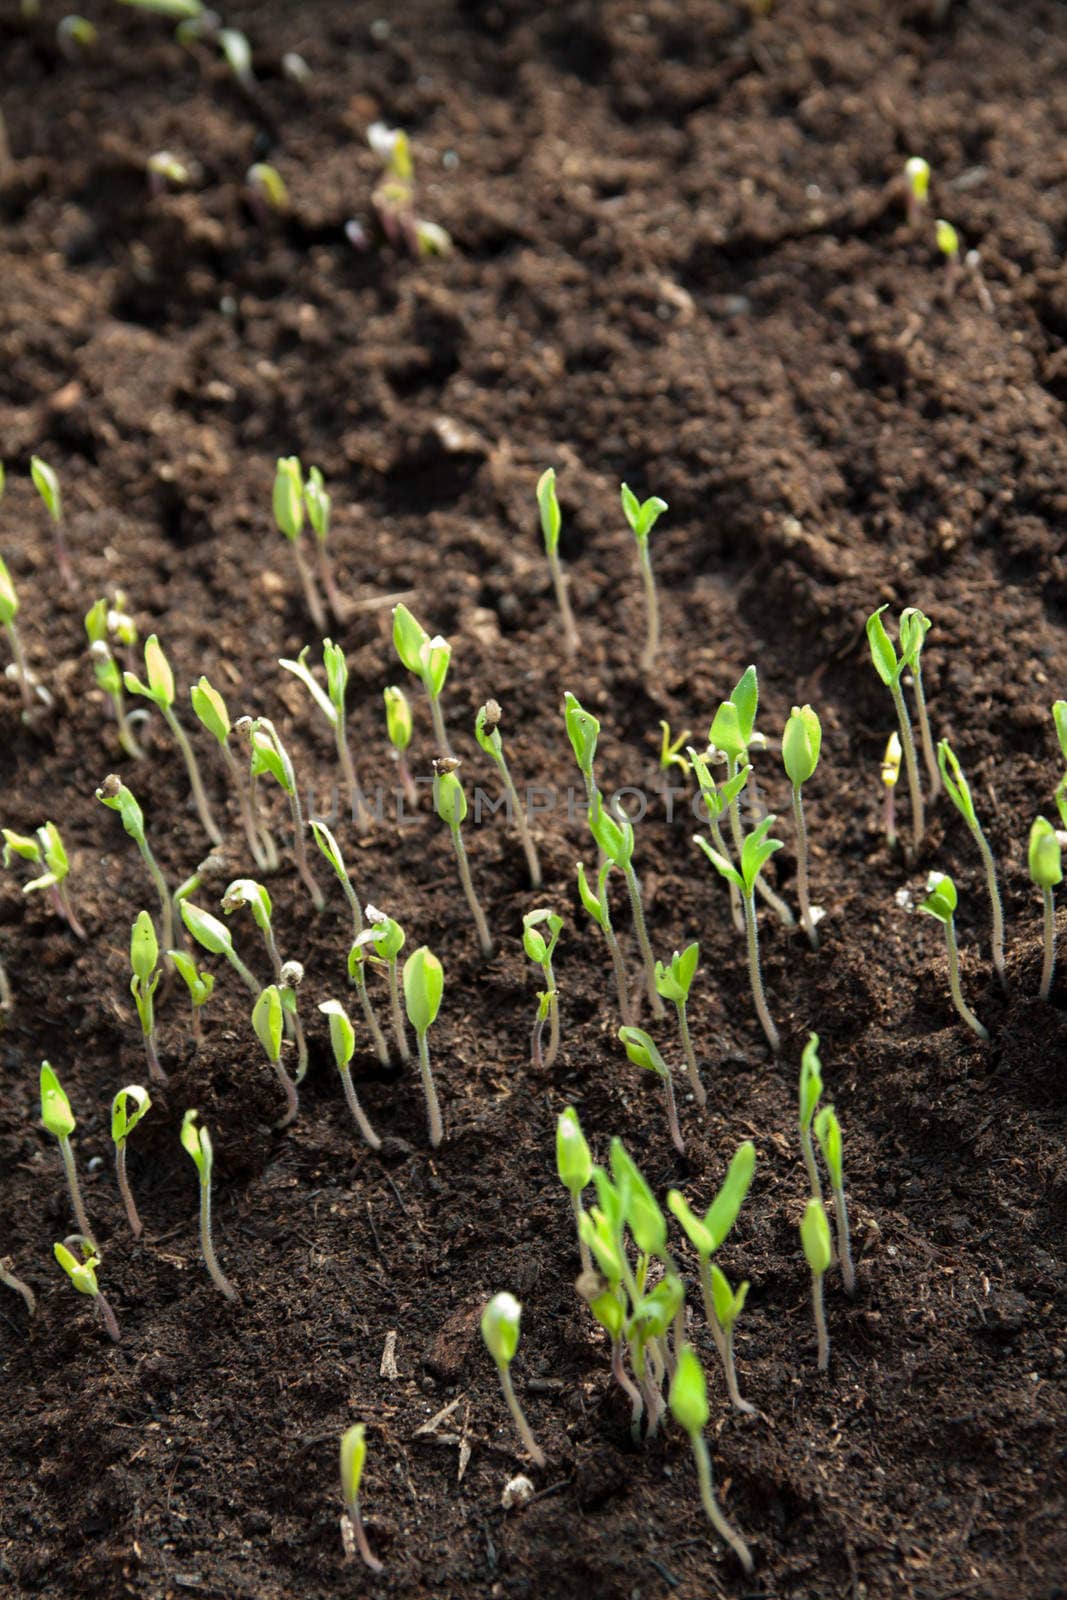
[[200, 985], [674, 983], [583, 730], [689, 1407], [123, 1121], [540, 951], [917, 192], [267, 191], [108, 673], [669, 749], [163, 168], [59, 1121], [643, 1053], [238, 52], [756, 849], [8, 1277], [381, 944], [948, 242], [82, 1275], [247, 892], [818, 1252], [890, 778], [399, 727], [914, 626], [114, 793], [1059, 717], [941, 900], [424, 984], [599, 909], [332, 851], [1045, 861], [808, 1097], [428, 660], [551, 522], [319, 508], [144, 959], [959, 792], [890, 668], [801, 744], [211, 711], [343, 1043], [732, 731], [393, 198], [450, 803], [487, 733], [615, 838], [196, 1142], [717, 798], [47, 849], [9, 605], [353, 1457], [269, 755], [332, 706], [574, 1163], [642, 515], [268, 1020], [500, 1330], [546, 1006], [46, 482], [215, 937], [160, 690], [288, 504], [75, 35], [828, 1133]]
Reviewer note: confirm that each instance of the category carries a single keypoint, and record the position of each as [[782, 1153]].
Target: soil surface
[[681, 258]]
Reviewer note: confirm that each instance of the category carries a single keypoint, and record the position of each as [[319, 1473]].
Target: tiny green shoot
[[801, 744], [82, 1274], [127, 1109], [500, 1330], [163, 168], [818, 1252], [643, 1053], [732, 731], [808, 1096], [914, 626], [716, 798], [381, 943], [215, 937], [238, 53], [75, 35], [940, 903], [9, 606], [674, 983], [756, 850], [268, 1021], [269, 755], [160, 690], [288, 505], [109, 674], [114, 793], [428, 659], [332, 851], [46, 482], [46, 849], [424, 984], [917, 189], [948, 243], [332, 705], [959, 792], [487, 733], [144, 960], [343, 1044], [828, 1133], [1044, 859], [642, 515], [890, 668], [267, 190], [393, 197], [200, 985], [547, 1000], [574, 1164], [320, 509], [196, 1142], [540, 951], [212, 713], [615, 838], [353, 1458], [688, 1401], [597, 906], [551, 523], [399, 727], [59, 1121], [450, 803]]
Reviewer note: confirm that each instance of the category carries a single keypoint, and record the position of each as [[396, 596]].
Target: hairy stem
[[429, 1089], [155, 1071], [844, 1245], [756, 977], [218, 1277], [629, 1389], [522, 1427], [929, 754], [707, 1495], [583, 1248], [699, 1092], [522, 826], [820, 1320], [954, 983], [166, 905], [485, 938], [571, 642], [244, 805], [807, 921], [107, 1317], [203, 810], [1049, 963], [76, 1201], [641, 929], [25, 682], [397, 1014], [312, 598], [437, 718], [648, 658], [358, 1114], [995, 901], [672, 1115], [125, 1190], [918, 818]]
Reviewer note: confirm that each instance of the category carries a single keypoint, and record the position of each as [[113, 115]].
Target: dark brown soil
[[681, 259]]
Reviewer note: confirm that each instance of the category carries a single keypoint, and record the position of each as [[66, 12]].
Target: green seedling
[[1059, 718], [540, 951], [268, 1020], [196, 1142], [674, 982], [381, 944], [615, 839], [45, 849], [108, 673], [9, 606], [319, 506], [689, 1408], [500, 1330], [144, 959], [732, 731], [450, 803], [828, 1133], [332, 705], [212, 713], [424, 985], [551, 523], [9, 1278], [917, 189], [940, 903], [399, 727], [756, 850], [890, 668], [114, 793], [801, 744], [808, 1097], [948, 243], [669, 750], [1044, 859], [46, 482], [127, 1109], [332, 851], [343, 1043], [59, 1121], [642, 515], [487, 733], [599, 909], [717, 798], [166, 171], [82, 1274], [269, 756], [574, 1164], [176, 10], [353, 1458], [160, 690], [818, 1252], [583, 730], [547, 1002], [393, 197], [287, 975], [75, 37], [288, 505], [267, 191], [914, 626], [959, 792], [643, 1053], [890, 779], [706, 1234], [201, 986], [215, 937], [238, 55], [428, 660]]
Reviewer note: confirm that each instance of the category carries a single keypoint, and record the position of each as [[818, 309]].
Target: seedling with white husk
[[689, 1408], [574, 1164], [381, 943], [127, 1109], [82, 1274], [343, 1044], [160, 690], [428, 660], [940, 903], [393, 198], [268, 1020], [487, 733], [828, 1133], [674, 983], [114, 793], [756, 850], [9, 1278], [332, 705], [1045, 862], [959, 792], [288, 505], [551, 523], [598, 907], [269, 756], [399, 726], [9, 606], [211, 711], [59, 1121], [319, 509], [200, 984], [643, 1053], [450, 803], [732, 731], [642, 515], [917, 189], [890, 668], [108, 673], [615, 838], [540, 951], [46, 482], [353, 1458], [801, 744], [818, 1252], [45, 849], [890, 779], [144, 959], [196, 1142], [500, 1330], [424, 985]]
